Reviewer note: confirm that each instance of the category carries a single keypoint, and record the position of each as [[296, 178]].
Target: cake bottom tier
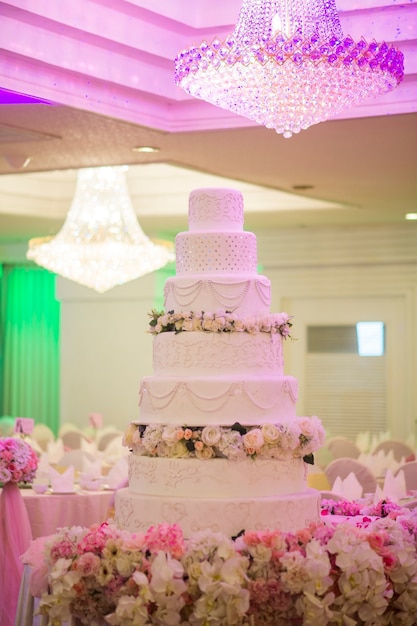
[[137, 512]]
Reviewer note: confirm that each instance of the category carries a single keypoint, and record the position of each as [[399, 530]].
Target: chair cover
[[15, 538], [72, 440], [400, 449], [106, 438], [75, 458], [344, 466], [42, 434], [410, 475], [342, 447]]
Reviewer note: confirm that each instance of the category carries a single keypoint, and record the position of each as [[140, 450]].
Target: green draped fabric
[[30, 318]]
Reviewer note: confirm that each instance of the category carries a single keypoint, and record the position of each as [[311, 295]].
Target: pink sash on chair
[[15, 537]]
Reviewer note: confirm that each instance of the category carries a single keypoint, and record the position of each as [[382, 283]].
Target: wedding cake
[[218, 444]]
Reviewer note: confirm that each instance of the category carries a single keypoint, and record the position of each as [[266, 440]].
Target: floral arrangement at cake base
[[321, 575]]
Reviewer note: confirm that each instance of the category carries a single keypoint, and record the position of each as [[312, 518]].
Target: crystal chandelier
[[288, 65], [101, 243]]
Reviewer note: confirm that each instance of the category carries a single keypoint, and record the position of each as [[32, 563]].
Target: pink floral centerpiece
[[18, 464], [18, 461], [321, 575]]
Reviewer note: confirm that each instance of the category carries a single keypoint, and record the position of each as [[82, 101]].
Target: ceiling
[[103, 72]]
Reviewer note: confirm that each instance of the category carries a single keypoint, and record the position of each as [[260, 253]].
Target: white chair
[[344, 466], [42, 434], [399, 449], [104, 439]]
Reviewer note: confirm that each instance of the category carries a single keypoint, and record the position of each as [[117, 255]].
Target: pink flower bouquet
[[18, 461]]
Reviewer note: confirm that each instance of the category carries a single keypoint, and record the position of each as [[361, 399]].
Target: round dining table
[[50, 510]]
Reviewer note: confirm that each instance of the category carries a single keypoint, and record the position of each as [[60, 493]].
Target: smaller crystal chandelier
[[288, 65], [101, 243]]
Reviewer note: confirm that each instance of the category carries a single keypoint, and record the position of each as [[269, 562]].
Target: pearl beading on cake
[[227, 253]]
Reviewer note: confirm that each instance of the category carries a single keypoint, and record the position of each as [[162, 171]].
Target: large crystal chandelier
[[101, 243], [288, 65]]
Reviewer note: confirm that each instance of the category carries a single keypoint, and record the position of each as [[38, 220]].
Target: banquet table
[[49, 511]]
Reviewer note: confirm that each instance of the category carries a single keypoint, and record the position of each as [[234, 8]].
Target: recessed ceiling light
[[145, 149], [411, 216], [302, 187]]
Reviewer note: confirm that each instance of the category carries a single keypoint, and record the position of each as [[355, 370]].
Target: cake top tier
[[215, 209]]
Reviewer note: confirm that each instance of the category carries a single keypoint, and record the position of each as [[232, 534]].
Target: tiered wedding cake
[[218, 444]]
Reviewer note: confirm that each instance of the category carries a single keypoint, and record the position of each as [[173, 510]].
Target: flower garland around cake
[[218, 322], [298, 438], [318, 576], [18, 461]]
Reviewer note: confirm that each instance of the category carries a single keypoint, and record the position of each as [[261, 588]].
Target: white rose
[[178, 450], [271, 433], [239, 326], [124, 565], [204, 454], [169, 434], [187, 325], [207, 324], [211, 435]]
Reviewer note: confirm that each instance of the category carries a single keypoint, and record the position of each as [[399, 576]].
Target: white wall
[[105, 349], [332, 275]]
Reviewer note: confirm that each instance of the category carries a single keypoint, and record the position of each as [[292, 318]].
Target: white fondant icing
[[223, 253], [137, 512], [243, 295], [192, 354], [216, 378], [215, 209], [220, 399], [215, 478]]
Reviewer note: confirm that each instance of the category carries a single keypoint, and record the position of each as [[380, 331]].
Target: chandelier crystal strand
[[288, 66], [101, 243]]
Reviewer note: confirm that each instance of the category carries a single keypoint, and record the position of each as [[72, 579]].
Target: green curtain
[[30, 345]]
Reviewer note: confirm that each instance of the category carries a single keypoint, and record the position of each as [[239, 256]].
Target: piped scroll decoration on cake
[[236, 351], [208, 206], [178, 474], [145, 470]]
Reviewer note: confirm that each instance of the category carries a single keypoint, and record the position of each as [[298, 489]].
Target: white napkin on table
[[349, 488], [118, 473], [62, 483], [55, 451], [394, 487], [90, 447], [92, 469], [363, 441]]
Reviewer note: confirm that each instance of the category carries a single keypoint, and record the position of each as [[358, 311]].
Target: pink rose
[[253, 439]]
